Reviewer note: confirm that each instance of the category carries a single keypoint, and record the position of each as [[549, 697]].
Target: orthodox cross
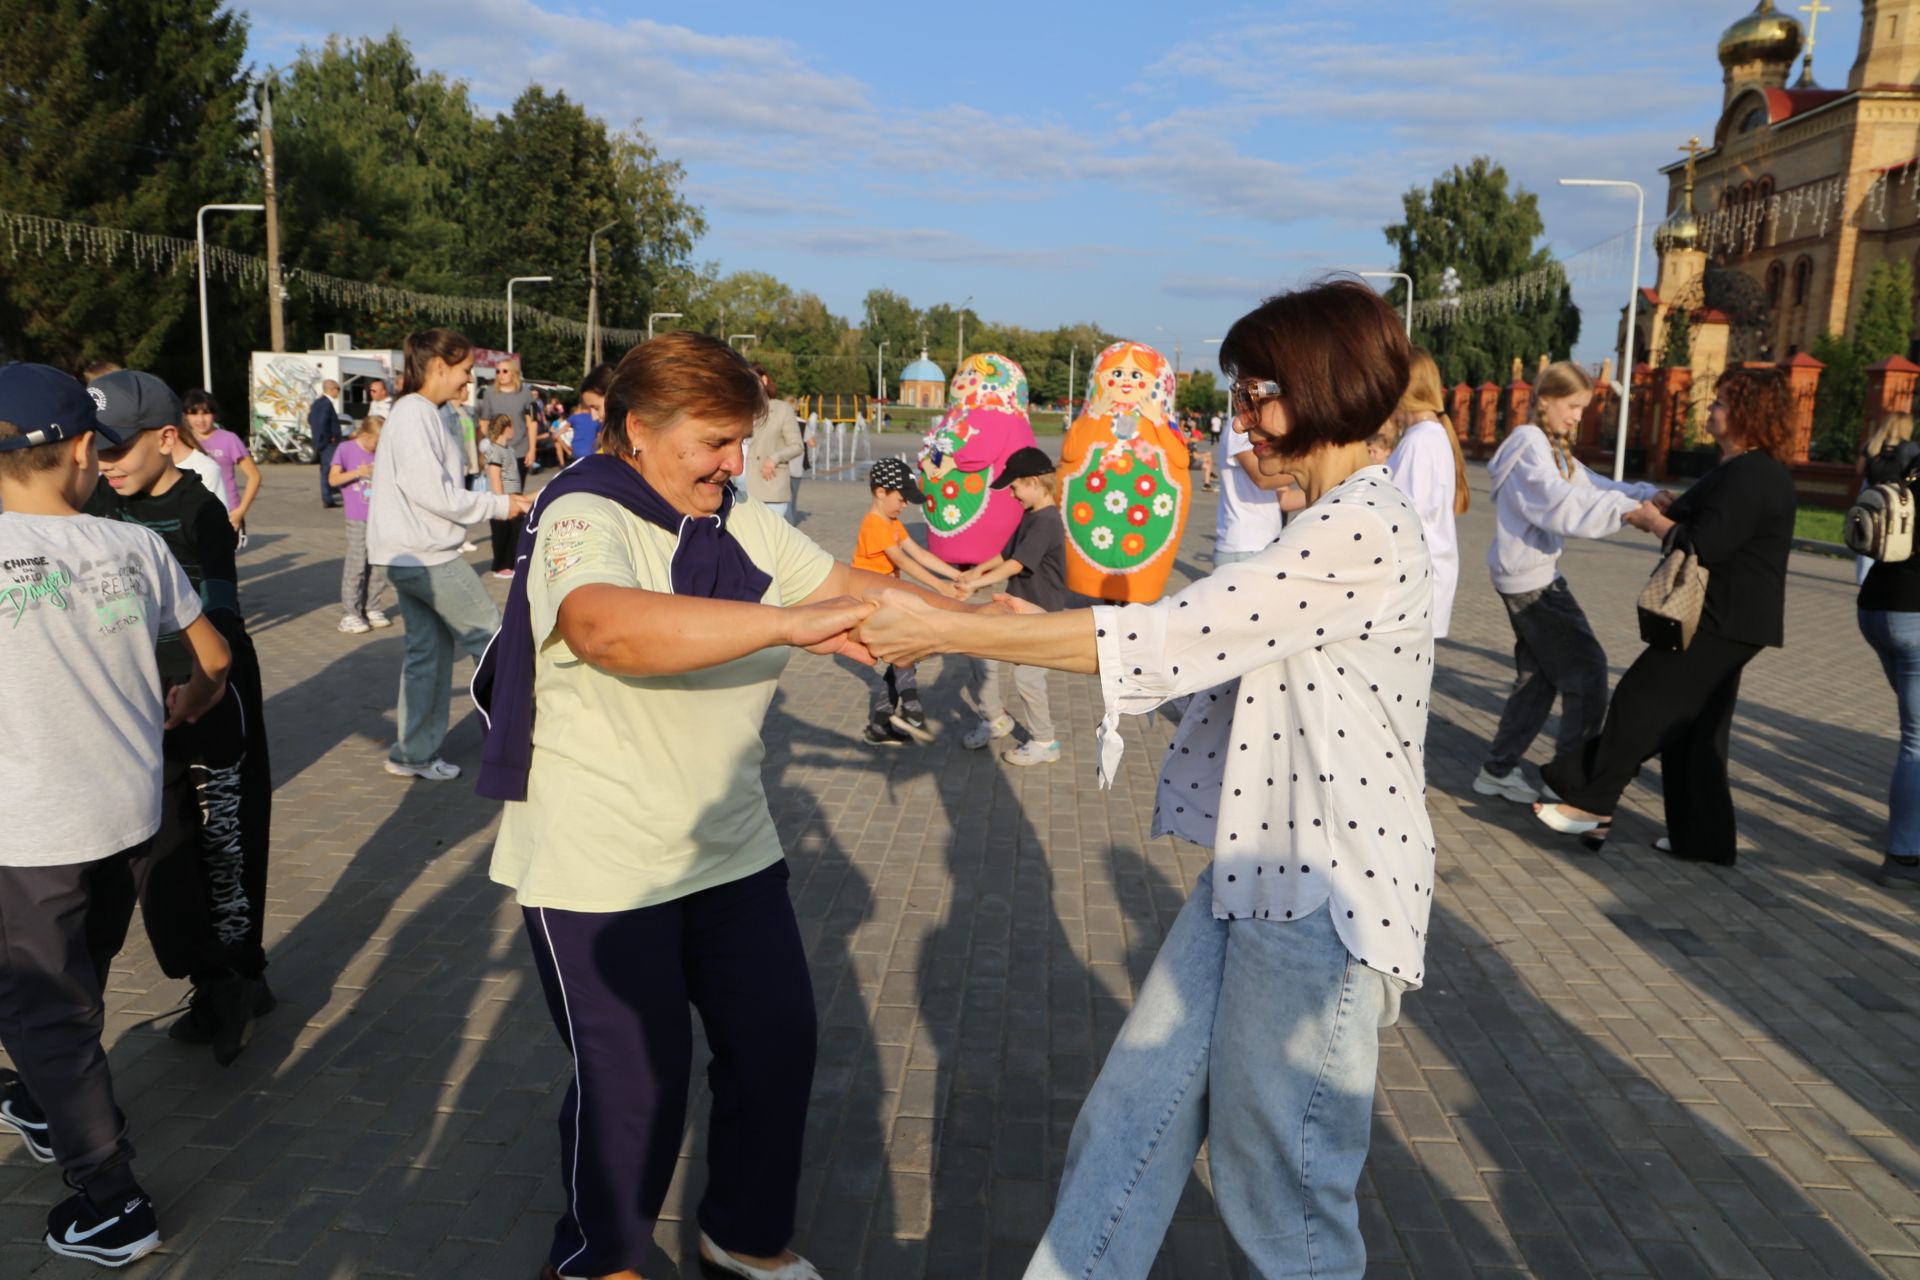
[[1813, 10]]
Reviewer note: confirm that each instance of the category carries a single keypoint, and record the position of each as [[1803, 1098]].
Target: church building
[[1774, 227]]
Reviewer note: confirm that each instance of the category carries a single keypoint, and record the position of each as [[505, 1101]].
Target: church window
[[1802, 280], [1753, 120], [1776, 280]]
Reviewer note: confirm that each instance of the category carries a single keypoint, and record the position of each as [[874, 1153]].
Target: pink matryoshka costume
[[968, 521], [1124, 488]]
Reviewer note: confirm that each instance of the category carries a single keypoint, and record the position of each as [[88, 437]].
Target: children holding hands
[[883, 545]]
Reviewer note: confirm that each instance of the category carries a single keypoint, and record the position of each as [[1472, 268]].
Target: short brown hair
[[1338, 352], [665, 379], [1759, 410], [18, 464]]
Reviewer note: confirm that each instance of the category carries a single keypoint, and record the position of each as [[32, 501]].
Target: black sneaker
[[194, 1026], [20, 1113], [125, 1230], [911, 720], [880, 735]]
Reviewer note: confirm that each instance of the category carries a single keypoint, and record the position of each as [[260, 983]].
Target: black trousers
[[60, 928], [329, 496], [204, 904], [621, 986], [1678, 706], [1555, 653], [506, 541]]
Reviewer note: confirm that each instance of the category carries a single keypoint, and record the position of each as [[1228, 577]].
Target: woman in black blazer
[[1739, 520]]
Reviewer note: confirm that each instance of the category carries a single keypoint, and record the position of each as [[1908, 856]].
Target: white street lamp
[[200, 257], [960, 347], [660, 315], [519, 280], [1633, 307], [735, 337], [1405, 279], [880, 375]]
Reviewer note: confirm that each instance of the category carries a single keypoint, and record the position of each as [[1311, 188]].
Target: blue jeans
[[1273, 1030], [1221, 559], [1896, 638], [444, 607]]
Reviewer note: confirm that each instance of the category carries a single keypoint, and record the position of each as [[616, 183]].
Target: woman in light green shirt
[[656, 616]]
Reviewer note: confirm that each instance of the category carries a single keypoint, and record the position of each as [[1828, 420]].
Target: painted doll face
[[1125, 387]]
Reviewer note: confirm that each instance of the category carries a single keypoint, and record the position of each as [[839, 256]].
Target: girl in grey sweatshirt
[[1543, 495]]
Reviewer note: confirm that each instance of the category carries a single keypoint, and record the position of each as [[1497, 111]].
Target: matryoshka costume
[[1124, 489], [969, 521]]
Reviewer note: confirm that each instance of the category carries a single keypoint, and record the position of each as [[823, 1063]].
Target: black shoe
[[881, 735], [911, 720], [20, 1113], [220, 1012], [125, 1230]]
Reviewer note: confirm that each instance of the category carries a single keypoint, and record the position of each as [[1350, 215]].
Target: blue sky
[[1064, 162]]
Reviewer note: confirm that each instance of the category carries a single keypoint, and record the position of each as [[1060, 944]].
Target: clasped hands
[[1651, 516], [889, 625]]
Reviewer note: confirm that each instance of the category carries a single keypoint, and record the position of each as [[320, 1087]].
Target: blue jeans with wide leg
[[444, 607], [1261, 1038]]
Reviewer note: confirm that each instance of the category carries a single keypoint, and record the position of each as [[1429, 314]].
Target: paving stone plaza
[[1620, 1064]]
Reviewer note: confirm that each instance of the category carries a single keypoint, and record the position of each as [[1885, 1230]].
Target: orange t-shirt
[[877, 533]]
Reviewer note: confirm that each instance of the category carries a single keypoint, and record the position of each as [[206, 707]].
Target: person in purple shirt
[[227, 449], [363, 585]]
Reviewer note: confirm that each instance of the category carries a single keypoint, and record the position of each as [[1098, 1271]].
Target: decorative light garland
[[94, 245]]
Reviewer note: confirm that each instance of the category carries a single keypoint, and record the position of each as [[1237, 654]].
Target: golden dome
[[1765, 35], [1681, 230]]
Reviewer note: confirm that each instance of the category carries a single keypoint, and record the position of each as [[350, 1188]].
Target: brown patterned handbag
[[1671, 602]]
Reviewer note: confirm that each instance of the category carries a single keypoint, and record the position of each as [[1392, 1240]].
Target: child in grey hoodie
[[1541, 495]]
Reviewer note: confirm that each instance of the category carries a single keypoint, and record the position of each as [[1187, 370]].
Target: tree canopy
[[1467, 219]]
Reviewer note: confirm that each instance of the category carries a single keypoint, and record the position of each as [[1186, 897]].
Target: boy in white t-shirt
[[82, 603]]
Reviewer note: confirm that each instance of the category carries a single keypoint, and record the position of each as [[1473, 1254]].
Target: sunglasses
[[1247, 396]]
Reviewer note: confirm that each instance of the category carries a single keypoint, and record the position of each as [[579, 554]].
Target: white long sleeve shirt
[[1301, 762], [1536, 508], [419, 509], [1422, 468]]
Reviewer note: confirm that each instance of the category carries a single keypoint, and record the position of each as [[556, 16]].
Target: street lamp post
[[200, 257], [1633, 306], [519, 280], [735, 337], [1073, 370], [593, 296], [880, 375], [960, 347], [660, 315], [1214, 342], [1405, 279]]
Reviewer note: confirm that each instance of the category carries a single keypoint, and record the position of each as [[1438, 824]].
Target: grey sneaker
[[986, 731], [435, 770], [1514, 786], [353, 626], [1900, 875]]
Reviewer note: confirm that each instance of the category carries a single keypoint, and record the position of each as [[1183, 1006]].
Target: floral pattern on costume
[[969, 522], [1125, 485]]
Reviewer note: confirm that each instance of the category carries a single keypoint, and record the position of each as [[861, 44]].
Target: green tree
[[129, 116], [1841, 400], [1885, 324], [1199, 394], [1469, 220], [1678, 352]]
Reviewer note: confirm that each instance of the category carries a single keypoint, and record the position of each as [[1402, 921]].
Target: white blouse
[[1301, 763], [1422, 465]]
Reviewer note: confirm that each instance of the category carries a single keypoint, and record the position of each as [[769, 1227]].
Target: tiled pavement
[[1620, 1065]]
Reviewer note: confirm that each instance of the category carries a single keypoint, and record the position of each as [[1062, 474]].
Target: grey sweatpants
[[891, 686], [1554, 653], [363, 586], [60, 928], [1030, 691]]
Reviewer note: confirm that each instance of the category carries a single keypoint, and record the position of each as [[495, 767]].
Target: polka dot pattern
[[1322, 677]]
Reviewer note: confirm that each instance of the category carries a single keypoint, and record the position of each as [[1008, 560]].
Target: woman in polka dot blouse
[[1300, 763]]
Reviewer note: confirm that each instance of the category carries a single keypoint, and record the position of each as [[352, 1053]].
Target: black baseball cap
[[891, 473], [49, 405], [131, 401], [1024, 465]]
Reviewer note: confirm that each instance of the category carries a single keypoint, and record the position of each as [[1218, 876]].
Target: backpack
[[1880, 524]]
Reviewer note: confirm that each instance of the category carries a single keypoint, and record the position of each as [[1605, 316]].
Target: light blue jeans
[[1221, 559], [1262, 1038], [1896, 638], [445, 608]]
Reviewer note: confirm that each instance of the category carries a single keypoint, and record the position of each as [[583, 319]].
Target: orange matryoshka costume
[[1124, 486], [968, 520]]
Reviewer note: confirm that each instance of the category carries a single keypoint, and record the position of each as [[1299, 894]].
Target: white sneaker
[[377, 619], [1032, 753], [1514, 786], [467, 547], [353, 626], [434, 770], [986, 731]]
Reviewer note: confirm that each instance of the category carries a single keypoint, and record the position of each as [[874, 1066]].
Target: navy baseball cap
[[131, 401], [48, 405]]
